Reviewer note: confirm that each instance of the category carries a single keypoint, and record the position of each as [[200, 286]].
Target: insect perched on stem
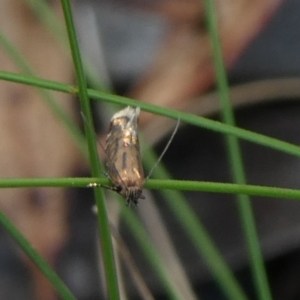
[[124, 164]]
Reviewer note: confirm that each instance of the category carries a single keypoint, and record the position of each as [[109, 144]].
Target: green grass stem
[[40, 262], [47, 16], [44, 11], [104, 229], [178, 205], [149, 250], [158, 184], [188, 118], [236, 161], [199, 236]]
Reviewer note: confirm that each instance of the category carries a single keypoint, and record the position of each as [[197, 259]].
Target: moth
[[124, 162]]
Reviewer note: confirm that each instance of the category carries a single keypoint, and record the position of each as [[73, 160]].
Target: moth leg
[[95, 184], [129, 203], [106, 175]]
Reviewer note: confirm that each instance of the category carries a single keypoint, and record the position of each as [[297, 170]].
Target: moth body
[[124, 165]]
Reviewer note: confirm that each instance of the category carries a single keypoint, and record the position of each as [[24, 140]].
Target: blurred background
[[158, 52]]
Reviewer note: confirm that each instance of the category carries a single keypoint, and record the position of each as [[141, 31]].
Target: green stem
[[44, 11], [104, 230], [235, 157], [220, 127], [199, 236], [149, 250], [25, 245], [158, 184]]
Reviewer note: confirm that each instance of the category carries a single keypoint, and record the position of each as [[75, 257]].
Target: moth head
[[133, 194]]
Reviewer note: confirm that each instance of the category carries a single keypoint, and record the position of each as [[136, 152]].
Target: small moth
[[124, 164]]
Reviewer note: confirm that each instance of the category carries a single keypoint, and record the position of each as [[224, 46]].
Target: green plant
[[190, 222]]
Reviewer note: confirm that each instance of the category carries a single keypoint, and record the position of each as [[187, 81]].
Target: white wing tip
[[128, 112]]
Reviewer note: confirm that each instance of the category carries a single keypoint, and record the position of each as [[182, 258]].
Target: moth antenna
[[165, 150]]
